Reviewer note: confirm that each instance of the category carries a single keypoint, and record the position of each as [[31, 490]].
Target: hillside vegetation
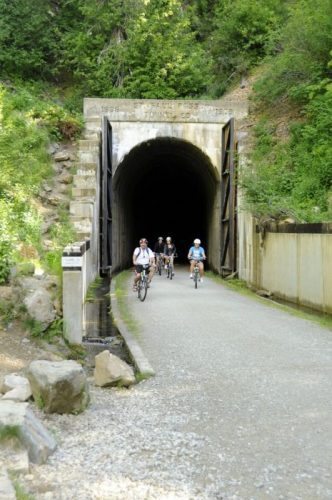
[[52, 53]]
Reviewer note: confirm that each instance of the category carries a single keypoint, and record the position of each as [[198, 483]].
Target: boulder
[[58, 386], [61, 156], [65, 178], [22, 393], [7, 491], [12, 381], [16, 419], [40, 307], [111, 370]]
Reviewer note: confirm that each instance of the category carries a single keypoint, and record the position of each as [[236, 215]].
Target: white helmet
[[197, 241], [168, 238]]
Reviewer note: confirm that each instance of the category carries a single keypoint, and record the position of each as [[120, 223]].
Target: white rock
[[111, 370], [39, 305], [58, 386], [29, 430], [22, 393], [12, 381]]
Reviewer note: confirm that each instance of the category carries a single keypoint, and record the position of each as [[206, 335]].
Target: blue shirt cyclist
[[197, 254]]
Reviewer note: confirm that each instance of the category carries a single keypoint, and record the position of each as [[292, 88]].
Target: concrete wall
[[293, 266]]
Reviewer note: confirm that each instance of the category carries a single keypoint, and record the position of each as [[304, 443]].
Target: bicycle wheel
[[195, 278], [159, 266], [170, 271], [143, 289]]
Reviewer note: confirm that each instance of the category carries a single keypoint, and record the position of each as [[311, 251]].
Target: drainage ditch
[[101, 333]]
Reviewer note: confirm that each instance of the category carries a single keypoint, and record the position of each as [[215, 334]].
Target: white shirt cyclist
[[143, 255]]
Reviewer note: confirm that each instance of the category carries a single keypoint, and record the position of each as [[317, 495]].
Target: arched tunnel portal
[[165, 187]]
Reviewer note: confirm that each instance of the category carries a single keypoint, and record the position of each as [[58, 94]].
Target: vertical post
[[106, 198], [74, 290], [228, 200]]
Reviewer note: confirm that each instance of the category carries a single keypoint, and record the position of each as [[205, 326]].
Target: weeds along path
[[239, 408]]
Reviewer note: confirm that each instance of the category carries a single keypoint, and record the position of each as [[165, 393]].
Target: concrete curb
[[140, 361]]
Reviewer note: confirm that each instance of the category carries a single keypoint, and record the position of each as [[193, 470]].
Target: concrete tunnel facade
[[165, 164], [166, 174]]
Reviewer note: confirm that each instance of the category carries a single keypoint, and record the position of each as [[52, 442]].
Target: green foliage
[[54, 330], [7, 312], [37, 330], [244, 33], [28, 38], [29, 120], [92, 289], [61, 124], [121, 283], [9, 432], [306, 42], [21, 494], [39, 400], [141, 49], [61, 234], [293, 175], [34, 326], [5, 261]]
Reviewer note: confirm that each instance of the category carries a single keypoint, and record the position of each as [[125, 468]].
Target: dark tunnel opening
[[163, 187]]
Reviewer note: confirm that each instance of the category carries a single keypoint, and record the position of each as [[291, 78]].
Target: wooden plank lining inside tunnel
[[165, 187]]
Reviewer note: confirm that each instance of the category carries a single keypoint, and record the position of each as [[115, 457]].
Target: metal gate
[[228, 247], [105, 224]]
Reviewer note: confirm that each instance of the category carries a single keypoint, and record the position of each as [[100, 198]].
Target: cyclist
[[143, 257], [197, 254], [159, 249], [169, 252]]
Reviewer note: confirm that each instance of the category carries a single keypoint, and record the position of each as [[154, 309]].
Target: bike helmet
[[143, 240], [197, 241], [168, 238], [160, 238]]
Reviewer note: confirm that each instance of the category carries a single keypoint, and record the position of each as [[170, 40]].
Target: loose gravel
[[240, 408]]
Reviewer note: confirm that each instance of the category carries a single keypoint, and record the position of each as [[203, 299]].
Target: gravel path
[[240, 408]]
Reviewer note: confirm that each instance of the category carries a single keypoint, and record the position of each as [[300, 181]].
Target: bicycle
[[143, 284], [159, 257], [170, 267], [196, 275]]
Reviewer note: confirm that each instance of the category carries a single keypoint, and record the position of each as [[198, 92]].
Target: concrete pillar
[[76, 280]]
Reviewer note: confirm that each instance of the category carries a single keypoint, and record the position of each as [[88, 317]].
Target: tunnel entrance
[[164, 187]]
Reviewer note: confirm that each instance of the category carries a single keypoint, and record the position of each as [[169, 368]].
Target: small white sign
[[71, 261]]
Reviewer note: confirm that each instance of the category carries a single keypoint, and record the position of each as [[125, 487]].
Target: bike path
[[246, 386]]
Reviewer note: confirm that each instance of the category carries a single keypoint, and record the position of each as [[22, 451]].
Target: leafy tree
[[145, 48], [244, 33], [164, 59], [306, 42], [28, 38]]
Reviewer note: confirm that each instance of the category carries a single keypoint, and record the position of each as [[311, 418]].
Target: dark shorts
[[139, 268]]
